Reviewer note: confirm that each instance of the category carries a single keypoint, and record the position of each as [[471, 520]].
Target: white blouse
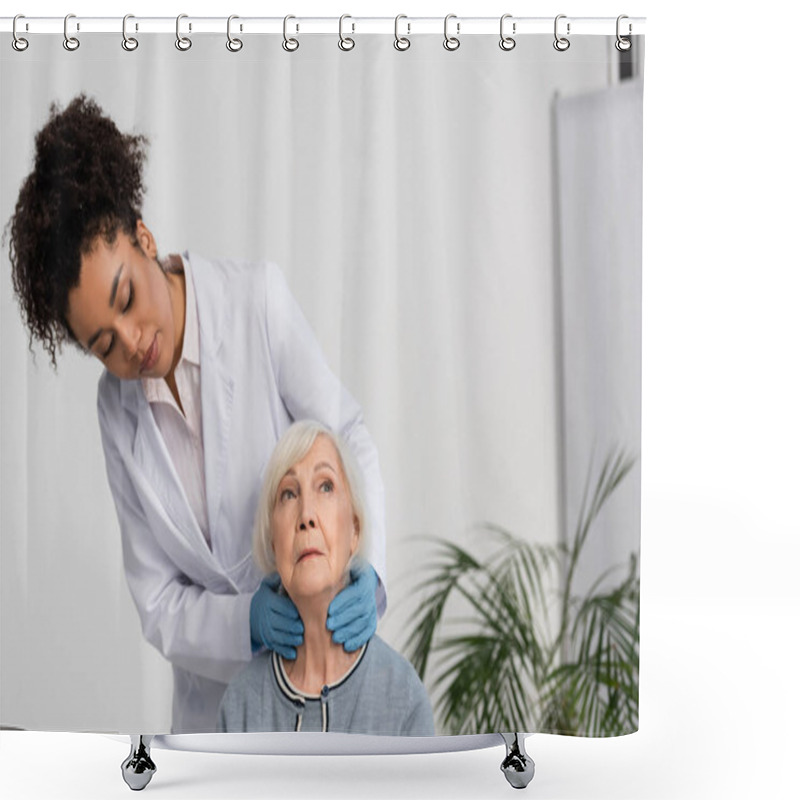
[[183, 432]]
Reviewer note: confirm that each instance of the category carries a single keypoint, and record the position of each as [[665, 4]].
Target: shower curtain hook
[[183, 43], [561, 43], [129, 43], [401, 42], [451, 42], [289, 45], [507, 42], [70, 42], [346, 42], [18, 43], [234, 45], [623, 43]]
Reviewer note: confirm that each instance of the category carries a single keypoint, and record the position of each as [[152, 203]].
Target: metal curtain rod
[[462, 26]]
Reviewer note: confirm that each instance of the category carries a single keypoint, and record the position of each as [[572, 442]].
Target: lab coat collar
[[213, 308], [156, 470], [216, 383], [216, 392]]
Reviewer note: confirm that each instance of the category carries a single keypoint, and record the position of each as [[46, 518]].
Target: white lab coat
[[261, 368]]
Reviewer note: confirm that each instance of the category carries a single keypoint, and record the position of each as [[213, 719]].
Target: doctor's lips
[[150, 357], [309, 552]]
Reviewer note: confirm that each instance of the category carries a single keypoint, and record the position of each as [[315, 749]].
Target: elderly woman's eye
[[327, 486], [286, 494]]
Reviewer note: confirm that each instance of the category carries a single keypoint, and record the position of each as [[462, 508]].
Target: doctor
[[207, 363]]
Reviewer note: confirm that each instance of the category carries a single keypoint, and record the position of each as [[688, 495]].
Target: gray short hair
[[292, 447]]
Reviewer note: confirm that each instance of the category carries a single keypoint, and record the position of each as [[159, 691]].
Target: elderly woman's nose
[[308, 513]]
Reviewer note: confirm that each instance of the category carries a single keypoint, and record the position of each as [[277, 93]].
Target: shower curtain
[[460, 233]]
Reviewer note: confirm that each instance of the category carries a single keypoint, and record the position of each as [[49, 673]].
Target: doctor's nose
[[129, 336]]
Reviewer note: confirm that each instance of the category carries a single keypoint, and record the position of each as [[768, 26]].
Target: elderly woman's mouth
[[309, 553]]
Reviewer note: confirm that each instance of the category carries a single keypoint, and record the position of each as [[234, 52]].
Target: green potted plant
[[506, 665]]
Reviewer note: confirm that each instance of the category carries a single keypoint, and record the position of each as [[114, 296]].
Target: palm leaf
[[501, 671], [613, 471], [601, 683], [482, 689], [447, 568]]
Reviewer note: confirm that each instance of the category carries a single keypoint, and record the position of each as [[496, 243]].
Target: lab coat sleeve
[[193, 627], [310, 390]]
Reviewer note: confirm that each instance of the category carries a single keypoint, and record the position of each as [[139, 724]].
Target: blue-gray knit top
[[380, 694]]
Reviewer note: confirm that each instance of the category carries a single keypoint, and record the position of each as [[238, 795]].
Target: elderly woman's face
[[314, 528]]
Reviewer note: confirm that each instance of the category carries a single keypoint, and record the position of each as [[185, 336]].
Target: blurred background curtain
[[439, 217]]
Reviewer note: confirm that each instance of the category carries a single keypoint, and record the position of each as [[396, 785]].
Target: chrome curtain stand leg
[[517, 766], [138, 768]]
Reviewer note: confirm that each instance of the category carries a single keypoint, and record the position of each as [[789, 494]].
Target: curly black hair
[[86, 182]]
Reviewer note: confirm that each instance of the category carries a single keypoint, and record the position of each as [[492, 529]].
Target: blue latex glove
[[352, 615], [274, 621]]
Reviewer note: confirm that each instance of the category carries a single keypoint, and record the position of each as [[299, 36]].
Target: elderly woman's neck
[[320, 661]]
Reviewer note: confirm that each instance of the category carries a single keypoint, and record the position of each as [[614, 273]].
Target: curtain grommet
[[507, 42], [451, 43], [71, 43], [183, 43], [401, 43], [561, 43], [346, 43], [129, 43], [19, 43], [233, 44], [289, 44], [623, 43]]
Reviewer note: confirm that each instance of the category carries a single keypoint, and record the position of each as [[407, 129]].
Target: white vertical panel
[[599, 163]]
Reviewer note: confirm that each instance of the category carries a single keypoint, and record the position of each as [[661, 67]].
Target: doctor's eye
[[130, 298]]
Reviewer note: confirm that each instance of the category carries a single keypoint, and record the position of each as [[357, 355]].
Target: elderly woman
[[310, 526]]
